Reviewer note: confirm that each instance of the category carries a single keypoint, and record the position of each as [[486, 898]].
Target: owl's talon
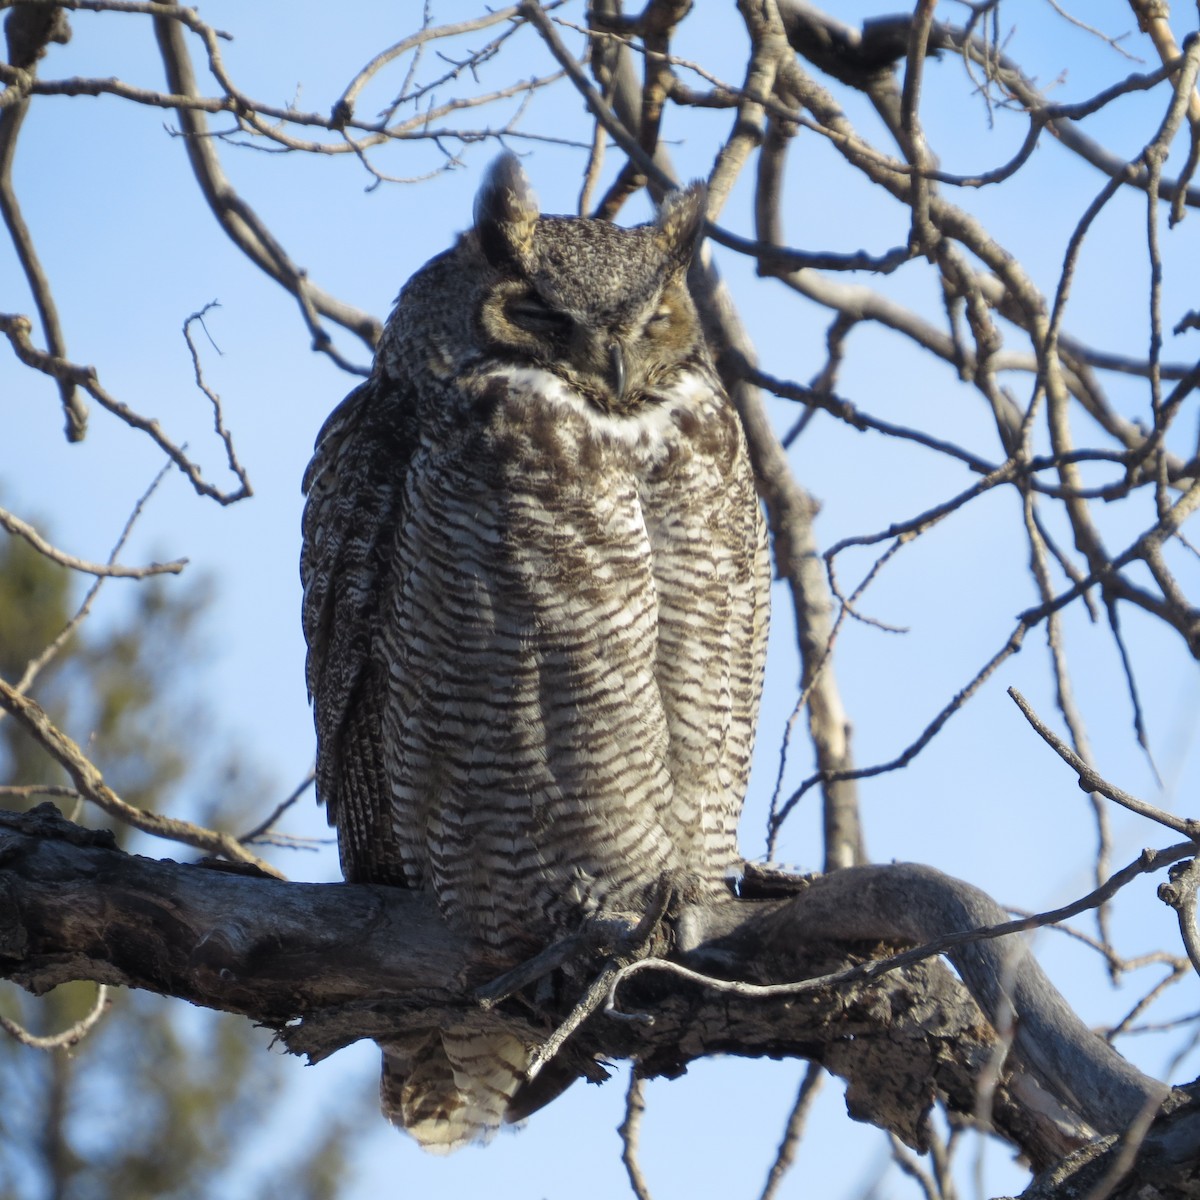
[[556, 955]]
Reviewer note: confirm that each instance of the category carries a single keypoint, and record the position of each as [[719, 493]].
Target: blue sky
[[132, 250]]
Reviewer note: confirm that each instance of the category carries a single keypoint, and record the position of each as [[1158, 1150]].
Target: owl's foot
[[630, 940], [624, 936], [556, 955]]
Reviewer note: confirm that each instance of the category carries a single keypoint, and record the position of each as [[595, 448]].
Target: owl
[[535, 599]]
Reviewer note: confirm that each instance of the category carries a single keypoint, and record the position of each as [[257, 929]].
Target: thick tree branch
[[328, 964]]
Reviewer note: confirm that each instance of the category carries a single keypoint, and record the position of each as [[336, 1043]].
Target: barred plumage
[[535, 598]]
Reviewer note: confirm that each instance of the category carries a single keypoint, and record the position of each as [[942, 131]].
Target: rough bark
[[328, 964], [1161, 1165]]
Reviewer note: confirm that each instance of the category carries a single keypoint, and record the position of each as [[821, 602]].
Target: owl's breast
[[529, 742]]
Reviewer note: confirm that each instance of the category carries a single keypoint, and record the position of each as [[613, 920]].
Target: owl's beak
[[616, 367]]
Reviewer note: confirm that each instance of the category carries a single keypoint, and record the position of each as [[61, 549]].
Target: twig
[[1130, 1143], [1091, 780], [26, 791], [1180, 894], [630, 1131], [785, 1156], [1113, 42], [215, 400], [109, 570], [1038, 545], [915, 747], [88, 780], [848, 412], [634, 943], [17, 328], [1179, 968], [1131, 687], [68, 1037], [908, 1165], [263, 827], [343, 108], [1146, 862], [596, 994], [36, 664]]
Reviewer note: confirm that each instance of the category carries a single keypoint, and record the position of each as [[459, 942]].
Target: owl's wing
[[355, 498]]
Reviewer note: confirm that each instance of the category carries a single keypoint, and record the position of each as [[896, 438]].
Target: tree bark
[[328, 964]]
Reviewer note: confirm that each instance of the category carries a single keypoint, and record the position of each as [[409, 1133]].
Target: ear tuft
[[681, 222], [506, 211]]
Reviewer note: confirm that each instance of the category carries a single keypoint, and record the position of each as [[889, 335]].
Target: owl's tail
[[450, 1087]]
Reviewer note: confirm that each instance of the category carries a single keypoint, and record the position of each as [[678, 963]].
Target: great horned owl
[[535, 599]]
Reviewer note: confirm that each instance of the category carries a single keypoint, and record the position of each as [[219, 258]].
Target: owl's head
[[605, 308]]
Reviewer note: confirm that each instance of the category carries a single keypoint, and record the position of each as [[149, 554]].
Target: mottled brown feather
[[535, 599]]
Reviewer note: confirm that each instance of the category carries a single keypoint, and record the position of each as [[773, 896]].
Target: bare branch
[[348, 962], [1180, 894], [23, 529], [68, 1037], [535, 14], [36, 664], [29, 32], [768, 51], [1154, 19], [90, 783], [343, 109], [16, 328], [1091, 780], [260, 831], [629, 1132], [235, 216], [26, 791], [785, 1156]]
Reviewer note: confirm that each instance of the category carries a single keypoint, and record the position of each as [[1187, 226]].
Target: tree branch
[[235, 216], [29, 31], [328, 964], [87, 779], [18, 528]]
